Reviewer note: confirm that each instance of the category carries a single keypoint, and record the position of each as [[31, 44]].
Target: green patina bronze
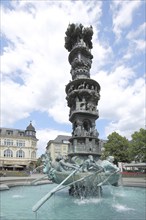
[[82, 95]]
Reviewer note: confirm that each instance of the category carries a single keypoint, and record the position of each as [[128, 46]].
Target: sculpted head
[[110, 158], [90, 157]]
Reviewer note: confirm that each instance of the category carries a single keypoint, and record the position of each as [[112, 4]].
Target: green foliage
[[137, 149], [39, 161], [124, 150], [116, 146]]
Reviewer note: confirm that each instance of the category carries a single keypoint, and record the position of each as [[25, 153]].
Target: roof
[[12, 132], [61, 138], [30, 127], [15, 132]]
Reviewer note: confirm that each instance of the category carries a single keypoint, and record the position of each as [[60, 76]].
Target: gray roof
[[30, 127], [12, 132], [15, 132], [61, 138]]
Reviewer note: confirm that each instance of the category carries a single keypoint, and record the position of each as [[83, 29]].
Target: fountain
[[116, 203], [82, 170]]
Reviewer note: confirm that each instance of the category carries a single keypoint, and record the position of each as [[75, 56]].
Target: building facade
[[18, 148], [58, 146], [101, 144]]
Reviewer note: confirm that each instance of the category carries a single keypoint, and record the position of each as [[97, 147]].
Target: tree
[[39, 161], [137, 149], [118, 147]]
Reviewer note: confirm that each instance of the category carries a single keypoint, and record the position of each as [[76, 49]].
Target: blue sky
[[35, 68]]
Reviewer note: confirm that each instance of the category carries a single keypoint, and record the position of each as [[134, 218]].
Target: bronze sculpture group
[[82, 170]]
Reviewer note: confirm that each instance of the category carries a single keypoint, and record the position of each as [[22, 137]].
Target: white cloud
[[136, 42], [122, 100], [35, 62], [139, 32], [102, 54], [140, 45], [123, 15], [15, 102]]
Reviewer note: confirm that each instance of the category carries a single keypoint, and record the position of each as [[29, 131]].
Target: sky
[[35, 67]]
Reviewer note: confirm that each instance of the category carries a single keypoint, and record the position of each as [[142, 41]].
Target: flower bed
[[133, 174]]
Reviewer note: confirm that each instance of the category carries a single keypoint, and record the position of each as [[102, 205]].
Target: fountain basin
[[116, 203]]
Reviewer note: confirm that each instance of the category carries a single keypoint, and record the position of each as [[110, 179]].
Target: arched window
[[20, 153], [8, 153], [86, 125], [33, 154]]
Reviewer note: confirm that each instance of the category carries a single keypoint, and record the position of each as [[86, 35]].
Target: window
[[64, 148], [20, 143], [8, 153], [30, 133], [57, 149], [33, 154], [9, 132], [8, 142], [33, 143], [20, 154], [65, 142], [21, 133]]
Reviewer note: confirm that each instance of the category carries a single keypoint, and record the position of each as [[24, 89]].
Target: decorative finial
[[76, 33]]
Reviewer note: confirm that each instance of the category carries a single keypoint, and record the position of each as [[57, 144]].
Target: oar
[[40, 178], [48, 195], [100, 184], [45, 198]]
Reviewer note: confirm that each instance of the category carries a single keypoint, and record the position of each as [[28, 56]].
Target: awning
[[16, 166]]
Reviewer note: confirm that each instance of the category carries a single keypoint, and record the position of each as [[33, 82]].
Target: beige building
[[58, 146], [18, 148]]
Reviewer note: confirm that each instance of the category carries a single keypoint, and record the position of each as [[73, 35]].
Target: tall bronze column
[[82, 92]]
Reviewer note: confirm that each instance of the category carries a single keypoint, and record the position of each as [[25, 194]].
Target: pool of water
[[117, 203]]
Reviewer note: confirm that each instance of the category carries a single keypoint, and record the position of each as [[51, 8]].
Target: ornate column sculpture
[[82, 93], [81, 170]]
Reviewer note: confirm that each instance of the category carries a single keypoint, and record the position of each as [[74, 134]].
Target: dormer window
[[30, 133], [21, 133], [9, 132]]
